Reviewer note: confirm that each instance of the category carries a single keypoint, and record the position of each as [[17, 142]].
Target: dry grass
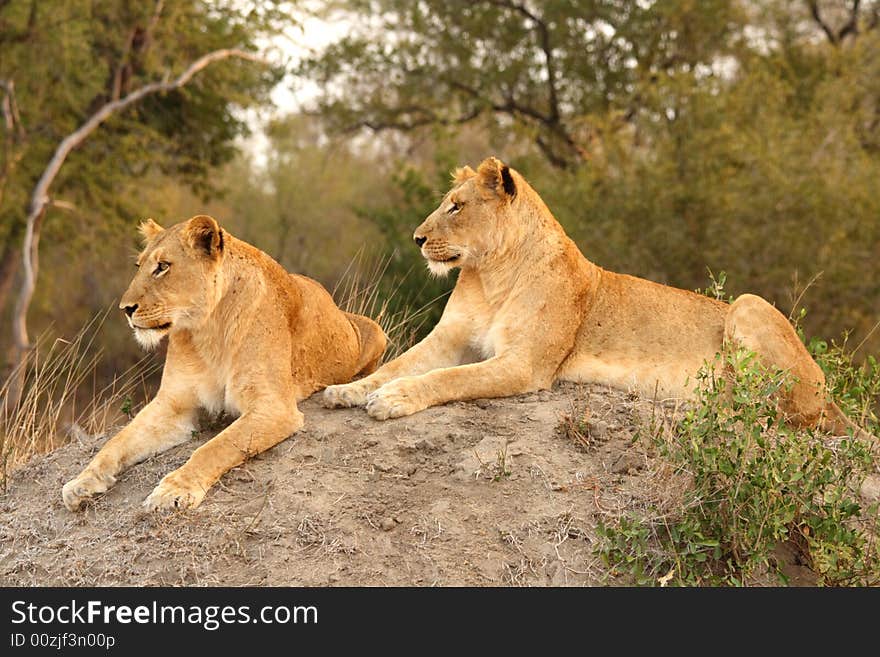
[[58, 375], [359, 291], [576, 425], [318, 534]]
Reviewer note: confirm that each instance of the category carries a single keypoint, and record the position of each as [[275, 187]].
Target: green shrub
[[754, 483]]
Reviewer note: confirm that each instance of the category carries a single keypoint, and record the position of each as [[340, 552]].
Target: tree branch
[[510, 106], [119, 71], [814, 10], [154, 21], [13, 131], [546, 49], [429, 117], [513, 107], [137, 43], [850, 27], [29, 30], [40, 196]]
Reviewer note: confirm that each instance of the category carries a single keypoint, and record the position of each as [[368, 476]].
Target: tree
[[847, 18], [133, 65], [668, 136], [543, 68], [40, 199]]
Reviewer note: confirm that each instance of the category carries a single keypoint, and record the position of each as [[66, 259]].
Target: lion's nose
[[129, 310], [420, 240]]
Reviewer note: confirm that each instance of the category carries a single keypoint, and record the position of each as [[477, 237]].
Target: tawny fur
[[529, 308], [244, 336]]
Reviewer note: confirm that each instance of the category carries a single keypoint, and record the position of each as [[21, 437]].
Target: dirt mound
[[482, 493]]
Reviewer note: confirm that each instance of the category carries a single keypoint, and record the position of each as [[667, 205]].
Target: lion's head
[[178, 282], [476, 218]]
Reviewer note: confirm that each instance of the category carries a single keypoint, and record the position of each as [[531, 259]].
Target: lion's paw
[[392, 400], [77, 492], [175, 491], [344, 396]]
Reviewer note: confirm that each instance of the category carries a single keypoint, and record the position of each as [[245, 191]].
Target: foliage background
[[668, 137]]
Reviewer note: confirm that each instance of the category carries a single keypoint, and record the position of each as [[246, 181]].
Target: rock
[[627, 462], [383, 465], [870, 490], [387, 524], [419, 445], [598, 430]]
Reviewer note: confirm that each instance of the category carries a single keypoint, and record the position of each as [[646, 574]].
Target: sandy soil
[[482, 493]]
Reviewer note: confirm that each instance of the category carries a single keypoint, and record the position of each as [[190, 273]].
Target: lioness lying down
[[243, 336], [529, 308]]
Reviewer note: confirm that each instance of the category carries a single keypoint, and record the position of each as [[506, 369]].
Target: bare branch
[[509, 106], [852, 25], [428, 117], [154, 21], [814, 10], [874, 19], [21, 37], [40, 195], [119, 71], [513, 107], [63, 205], [6, 107], [546, 49], [14, 133], [836, 36], [550, 153], [11, 115]]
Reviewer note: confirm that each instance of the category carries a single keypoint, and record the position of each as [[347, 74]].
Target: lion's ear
[[149, 229], [496, 175], [205, 235], [462, 174]]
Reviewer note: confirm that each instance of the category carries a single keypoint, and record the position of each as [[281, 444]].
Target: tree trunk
[[40, 199]]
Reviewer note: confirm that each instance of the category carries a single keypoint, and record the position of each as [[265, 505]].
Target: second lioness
[[244, 336], [529, 308]]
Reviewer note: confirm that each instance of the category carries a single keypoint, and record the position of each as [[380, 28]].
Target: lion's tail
[[835, 422], [372, 342]]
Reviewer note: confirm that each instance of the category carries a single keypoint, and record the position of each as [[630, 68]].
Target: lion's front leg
[[439, 349], [250, 434], [497, 377], [159, 426]]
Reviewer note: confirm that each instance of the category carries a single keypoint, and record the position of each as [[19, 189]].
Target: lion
[[244, 336], [529, 309]]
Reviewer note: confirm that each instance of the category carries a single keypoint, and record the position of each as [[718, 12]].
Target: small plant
[[494, 471], [575, 426], [755, 483], [715, 289], [360, 291], [501, 469]]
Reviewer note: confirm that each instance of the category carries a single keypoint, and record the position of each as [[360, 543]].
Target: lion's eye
[[161, 267], [455, 207]]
